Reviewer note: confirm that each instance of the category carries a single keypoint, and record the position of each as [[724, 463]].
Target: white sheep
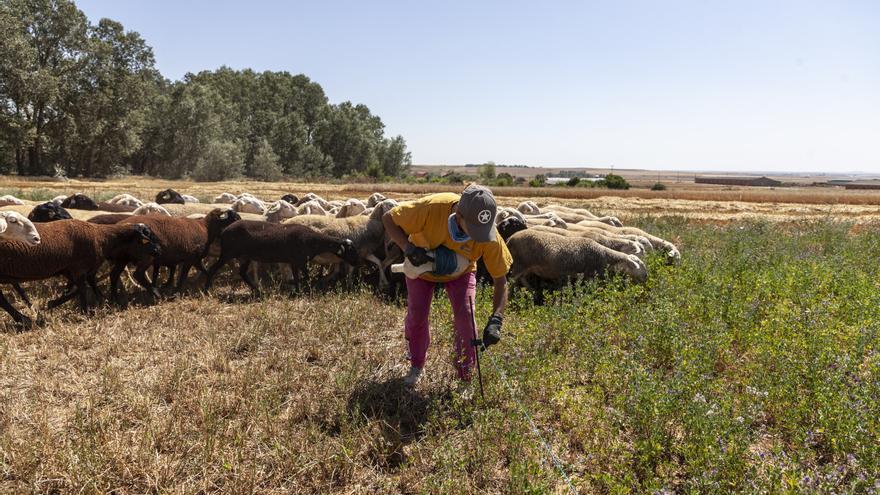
[[555, 258], [14, 226], [59, 199], [375, 199], [313, 207], [225, 198], [189, 199], [127, 200], [351, 208], [528, 208], [10, 200], [673, 256], [249, 204], [280, 210], [151, 209]]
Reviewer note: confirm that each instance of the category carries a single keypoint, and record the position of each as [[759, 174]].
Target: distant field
[[752, 367], [699, 203]]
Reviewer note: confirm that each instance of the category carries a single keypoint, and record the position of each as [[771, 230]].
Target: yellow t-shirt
[[426, 221]]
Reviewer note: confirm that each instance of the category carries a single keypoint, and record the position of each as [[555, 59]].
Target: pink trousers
[[461, 292]]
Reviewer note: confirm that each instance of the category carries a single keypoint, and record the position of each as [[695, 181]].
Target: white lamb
[[249, 204], [10, 200], [151, 209], [225, 198]]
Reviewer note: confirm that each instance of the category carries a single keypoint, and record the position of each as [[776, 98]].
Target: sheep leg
[[72, 290], [19, 318], [156, 273], [383, 280], [243, 265], [170, 282], [184, 272], [93, 283], [115, 273], [212, 272], [140, 276], [20, 291], [82, 292]]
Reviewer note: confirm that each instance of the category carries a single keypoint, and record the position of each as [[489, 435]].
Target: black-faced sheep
[[169, 196], [184, 241], [290, 198], [72, 249], [248, 241], [80, 201], [48, 212], [366, 233]]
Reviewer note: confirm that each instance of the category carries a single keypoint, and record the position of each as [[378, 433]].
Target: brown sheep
[[248, 241], [72, 249], [184, 241]]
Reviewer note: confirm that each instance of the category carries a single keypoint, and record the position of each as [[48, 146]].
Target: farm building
[[874, 184], [738, 181]]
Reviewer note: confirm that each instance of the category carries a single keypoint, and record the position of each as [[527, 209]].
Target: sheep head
[[79, 201], [48, 212], [140, 242], [633, 267], [511, 226], [15, 226], [347, 252], [169, 196]]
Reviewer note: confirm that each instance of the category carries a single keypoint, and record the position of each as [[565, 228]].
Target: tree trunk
[[19, 161]]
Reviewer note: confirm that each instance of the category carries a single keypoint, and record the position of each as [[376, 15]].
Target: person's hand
[[492, 332], [417, 256]]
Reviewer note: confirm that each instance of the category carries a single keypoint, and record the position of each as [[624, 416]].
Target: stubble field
[[751, 367]]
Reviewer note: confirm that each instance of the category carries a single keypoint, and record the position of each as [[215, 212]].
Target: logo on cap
[[485, 216]]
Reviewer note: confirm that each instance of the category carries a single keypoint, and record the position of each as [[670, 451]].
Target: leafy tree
[[574, 181], [539, 181], [659, 186], [487, 171], [88, 99], [504, 179], [265, 166], [612, 181], [221, 160], [41, 51]]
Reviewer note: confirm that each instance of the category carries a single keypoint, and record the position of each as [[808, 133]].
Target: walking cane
[[478, 344]]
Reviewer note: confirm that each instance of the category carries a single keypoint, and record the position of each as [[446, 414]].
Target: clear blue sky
[[709, 85]]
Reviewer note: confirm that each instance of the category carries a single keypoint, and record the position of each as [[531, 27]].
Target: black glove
[[417, 256], [492, 332]]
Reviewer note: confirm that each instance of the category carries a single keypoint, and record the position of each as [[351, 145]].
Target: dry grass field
[[752, 367], [696, 202]]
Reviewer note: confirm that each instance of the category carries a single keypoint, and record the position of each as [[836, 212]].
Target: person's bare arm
[[499, 296], [395, 232]]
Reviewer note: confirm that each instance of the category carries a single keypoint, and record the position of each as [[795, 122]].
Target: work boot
[[412, 377]]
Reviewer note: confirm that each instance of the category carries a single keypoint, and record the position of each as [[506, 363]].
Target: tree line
[[83, 99]]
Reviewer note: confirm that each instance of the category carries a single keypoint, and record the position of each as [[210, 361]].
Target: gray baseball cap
[[477, 208]]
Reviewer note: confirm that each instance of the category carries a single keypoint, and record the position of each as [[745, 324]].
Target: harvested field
[[702, 204]]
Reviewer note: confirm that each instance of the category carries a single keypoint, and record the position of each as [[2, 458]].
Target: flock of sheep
[[553, 245]]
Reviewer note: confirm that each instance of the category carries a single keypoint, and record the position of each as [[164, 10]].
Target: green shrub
[[659, 186]]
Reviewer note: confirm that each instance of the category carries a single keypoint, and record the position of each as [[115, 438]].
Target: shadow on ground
[[400, 412]]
